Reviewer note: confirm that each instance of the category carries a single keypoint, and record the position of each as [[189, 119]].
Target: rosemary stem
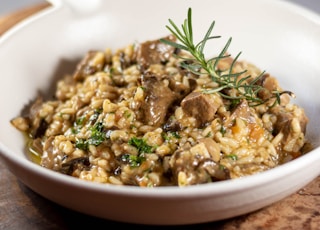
[[247, 86]]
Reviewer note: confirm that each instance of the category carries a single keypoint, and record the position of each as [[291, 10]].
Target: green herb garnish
[[97, 137], [133, 160], [141, 145], [80, 121], [227, 79], [232, 157], [169, 135], [143, 148], [97, 134], [82, 144], [95, 115], [223, 130]]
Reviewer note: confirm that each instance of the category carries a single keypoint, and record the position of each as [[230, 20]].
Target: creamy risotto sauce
[[136, 117]]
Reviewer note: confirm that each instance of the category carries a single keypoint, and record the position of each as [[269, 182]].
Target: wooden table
[[21, 208]]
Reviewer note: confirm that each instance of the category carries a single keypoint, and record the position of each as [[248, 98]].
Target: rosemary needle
[[246, 87]]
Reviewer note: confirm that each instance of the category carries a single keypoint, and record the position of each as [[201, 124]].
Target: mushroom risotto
[[138, 116]]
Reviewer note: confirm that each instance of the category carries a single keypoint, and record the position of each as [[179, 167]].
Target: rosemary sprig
[[246, 87]]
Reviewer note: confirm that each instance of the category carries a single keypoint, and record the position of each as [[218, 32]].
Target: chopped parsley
[[82, 144], [223, 130], [78, 124], [95, 115], [97, 137], [143, 148], [80, 121], [232, 157], [209, 134], [141, 145], [168, 136], [127, 114], [97, 134], [133, 160]]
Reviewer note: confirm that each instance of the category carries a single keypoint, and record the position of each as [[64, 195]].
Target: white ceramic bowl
[[275, 35]]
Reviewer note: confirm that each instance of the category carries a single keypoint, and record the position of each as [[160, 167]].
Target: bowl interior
[[278, 37], [34, 55]]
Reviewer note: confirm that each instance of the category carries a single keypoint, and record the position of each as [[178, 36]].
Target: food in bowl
[[157, 113]]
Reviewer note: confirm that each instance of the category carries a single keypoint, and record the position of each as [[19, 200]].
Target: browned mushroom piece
[[202, 107], [271, 84], [159, 98], [153, 52], [243, 111], [93, 62], [292, 126], [192, 165], [80, 163]]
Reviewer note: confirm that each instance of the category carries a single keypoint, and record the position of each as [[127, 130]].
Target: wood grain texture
[[21, 208], [7, 21]]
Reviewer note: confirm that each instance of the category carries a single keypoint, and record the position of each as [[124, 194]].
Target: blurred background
[[7, 6]]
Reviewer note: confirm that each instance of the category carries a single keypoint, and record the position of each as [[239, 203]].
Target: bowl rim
[[228, 186]]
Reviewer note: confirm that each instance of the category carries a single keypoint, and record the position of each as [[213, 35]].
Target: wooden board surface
[[7, 21], [21, 208]]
